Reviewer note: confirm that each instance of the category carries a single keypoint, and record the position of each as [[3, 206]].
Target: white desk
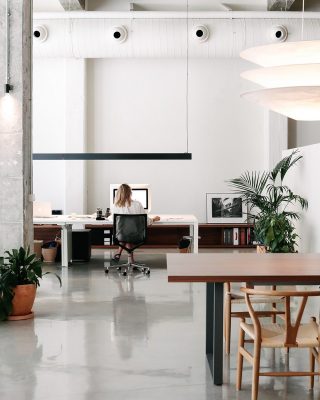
[[66, 222]]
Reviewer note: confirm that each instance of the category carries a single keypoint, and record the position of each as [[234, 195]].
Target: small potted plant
[[20, 273], [269, 203]]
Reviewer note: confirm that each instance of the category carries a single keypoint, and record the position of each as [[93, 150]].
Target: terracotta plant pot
[[261, 249], [22, 302], [49, 255]]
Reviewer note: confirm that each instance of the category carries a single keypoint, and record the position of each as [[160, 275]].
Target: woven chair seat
[[273, 335], [239, 299]]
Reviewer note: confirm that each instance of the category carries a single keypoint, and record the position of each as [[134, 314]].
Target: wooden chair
[[274, 335], [231, 299]]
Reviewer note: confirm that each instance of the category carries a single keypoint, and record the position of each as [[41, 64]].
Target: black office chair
[[129, 229]]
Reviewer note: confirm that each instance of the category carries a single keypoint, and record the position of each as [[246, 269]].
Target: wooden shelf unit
[[159, 236], [168, 236]]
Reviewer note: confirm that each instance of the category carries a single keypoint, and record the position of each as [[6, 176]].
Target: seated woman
[[124, 204]]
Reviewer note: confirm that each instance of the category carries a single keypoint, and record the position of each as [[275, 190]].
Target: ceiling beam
[[73, 5], [280, 5]]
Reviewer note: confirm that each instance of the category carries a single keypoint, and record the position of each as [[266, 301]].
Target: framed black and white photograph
[[225, 208]]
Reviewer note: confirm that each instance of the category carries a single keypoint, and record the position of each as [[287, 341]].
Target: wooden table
[[216, 269]]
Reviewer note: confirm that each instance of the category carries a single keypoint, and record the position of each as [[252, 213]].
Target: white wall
[[49, 129], [140, 105], [303, 133], [137, 104], [303, 178], [59, 126]]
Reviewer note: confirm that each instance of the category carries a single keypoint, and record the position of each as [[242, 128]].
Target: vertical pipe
[[302, 22], [7, 86], [187, 82], [7, 43]]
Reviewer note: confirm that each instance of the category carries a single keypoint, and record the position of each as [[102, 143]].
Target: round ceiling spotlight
[[201, 33], [119, 33], [40, 33], [279, 33]]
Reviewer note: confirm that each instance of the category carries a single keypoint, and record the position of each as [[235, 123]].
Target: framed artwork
[[225, 208]]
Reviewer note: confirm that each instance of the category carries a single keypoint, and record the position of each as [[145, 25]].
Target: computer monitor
[[140, 192]]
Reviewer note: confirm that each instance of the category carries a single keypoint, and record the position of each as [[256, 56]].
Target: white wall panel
[[303, 180], [49, 101], [225, 133]]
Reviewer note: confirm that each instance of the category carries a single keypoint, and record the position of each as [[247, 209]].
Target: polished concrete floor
[[125, 338]]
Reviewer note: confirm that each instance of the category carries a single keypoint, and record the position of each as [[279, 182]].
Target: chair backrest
[[130, 228], [291, 327]]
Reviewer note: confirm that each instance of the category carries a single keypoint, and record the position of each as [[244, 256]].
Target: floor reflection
[[18, 352], [133, 316], [130, 320]]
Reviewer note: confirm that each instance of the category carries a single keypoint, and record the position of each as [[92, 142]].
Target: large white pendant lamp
[[290, 76]]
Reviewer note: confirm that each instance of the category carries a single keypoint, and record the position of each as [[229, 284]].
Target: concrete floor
[[109, 337]]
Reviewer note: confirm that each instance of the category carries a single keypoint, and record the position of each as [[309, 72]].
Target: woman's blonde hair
[[123, 196]]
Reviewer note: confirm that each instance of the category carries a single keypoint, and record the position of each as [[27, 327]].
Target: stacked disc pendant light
[[290, 77]]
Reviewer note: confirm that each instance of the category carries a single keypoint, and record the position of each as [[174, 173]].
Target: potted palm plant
[[270, 204], [20, 273]]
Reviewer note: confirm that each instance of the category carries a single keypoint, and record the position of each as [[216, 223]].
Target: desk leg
[[214, 331], [66, 245], [194, 233]]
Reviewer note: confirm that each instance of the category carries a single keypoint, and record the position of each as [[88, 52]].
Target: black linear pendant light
[[132, 156], [112, 156]]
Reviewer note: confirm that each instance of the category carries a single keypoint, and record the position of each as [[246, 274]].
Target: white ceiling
[[47, 5], [171, 5], [176, 5]]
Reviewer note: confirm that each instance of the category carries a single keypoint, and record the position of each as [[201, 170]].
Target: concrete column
[[75, 134], [276, 137], [16, 227]]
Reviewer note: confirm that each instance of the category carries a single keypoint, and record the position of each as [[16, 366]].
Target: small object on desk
[[57, 212], [99, 216], [108, 213]]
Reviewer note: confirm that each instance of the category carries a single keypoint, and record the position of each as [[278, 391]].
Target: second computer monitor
[[140, 192]]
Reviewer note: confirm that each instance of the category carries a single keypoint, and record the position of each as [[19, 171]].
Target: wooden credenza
[[168, 236]]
